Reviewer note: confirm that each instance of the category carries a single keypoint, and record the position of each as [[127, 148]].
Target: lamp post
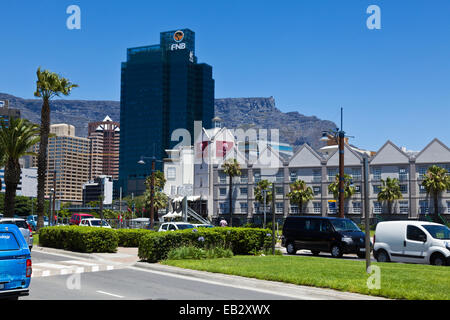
[[339, 137], [152, 187]]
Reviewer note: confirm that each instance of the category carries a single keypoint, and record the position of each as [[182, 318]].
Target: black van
[[323, 234]]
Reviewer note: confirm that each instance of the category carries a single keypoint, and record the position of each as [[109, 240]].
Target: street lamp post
[[339, 137]]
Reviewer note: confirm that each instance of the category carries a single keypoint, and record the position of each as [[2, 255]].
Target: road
[[124, 282]]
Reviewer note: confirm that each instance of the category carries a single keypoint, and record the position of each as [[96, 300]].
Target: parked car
[[32, 221], [77, 217], [24, 228], [202, 225], [94, 222], [173, 226], [15, 263], [412, 242], [337, 236]]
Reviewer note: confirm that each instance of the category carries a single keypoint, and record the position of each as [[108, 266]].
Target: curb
[[64, 252]]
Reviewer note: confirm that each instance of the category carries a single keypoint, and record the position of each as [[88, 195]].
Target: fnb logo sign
[[178, 46]]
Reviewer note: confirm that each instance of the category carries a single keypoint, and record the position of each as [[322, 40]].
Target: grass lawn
[[398, 281]]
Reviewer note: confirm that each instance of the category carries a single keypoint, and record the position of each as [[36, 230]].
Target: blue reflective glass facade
[[163, 88]]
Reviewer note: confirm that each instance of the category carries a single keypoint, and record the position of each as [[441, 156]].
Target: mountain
[[258, 113]]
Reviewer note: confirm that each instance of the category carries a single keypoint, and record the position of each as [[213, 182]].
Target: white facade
[[27, 186], [179, 172]]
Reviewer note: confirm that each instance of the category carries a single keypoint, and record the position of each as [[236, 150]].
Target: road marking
[[82, 263], [109, 294], [52, 265]]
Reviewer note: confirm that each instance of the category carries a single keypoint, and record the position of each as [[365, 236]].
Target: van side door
[[414, 245]]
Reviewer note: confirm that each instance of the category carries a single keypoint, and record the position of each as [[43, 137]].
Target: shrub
[[192, 252], [131, 237], [80, 239], [155, 246]]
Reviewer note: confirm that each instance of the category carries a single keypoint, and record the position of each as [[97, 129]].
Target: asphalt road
[[130, 283]]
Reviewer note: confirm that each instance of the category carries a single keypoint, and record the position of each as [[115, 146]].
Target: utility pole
[[341, 143], [367, 210], [54, 195], [152, 195], [273, 218]]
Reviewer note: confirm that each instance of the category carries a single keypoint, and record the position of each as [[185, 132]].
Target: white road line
[[109, 294], [82, 263], [51, 265]]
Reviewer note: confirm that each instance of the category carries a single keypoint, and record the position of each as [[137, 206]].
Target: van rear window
[[8, 242]]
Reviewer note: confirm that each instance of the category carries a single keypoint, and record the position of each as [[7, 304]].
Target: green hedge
[[79, 239], [131, 237], [155, 246]]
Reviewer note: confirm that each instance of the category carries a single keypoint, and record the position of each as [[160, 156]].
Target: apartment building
[[319, 171]]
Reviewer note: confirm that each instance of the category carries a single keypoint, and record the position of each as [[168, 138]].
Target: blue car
[[32, 220], [15, 263]]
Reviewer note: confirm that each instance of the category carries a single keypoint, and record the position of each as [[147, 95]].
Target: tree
[[436, 181], [300, 194], [160, 200], [349, 190], [16, 138], [390, 191], [263, 186], [232, 169], [48, 85]]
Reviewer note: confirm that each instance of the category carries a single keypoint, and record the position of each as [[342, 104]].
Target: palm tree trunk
[[42, 161], [12, 178], [300, 208], [231, 201], [436, 207]]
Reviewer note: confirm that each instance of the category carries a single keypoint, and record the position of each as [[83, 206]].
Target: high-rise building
[[7, 113], [163, 88], [68, 163], [104, 139]]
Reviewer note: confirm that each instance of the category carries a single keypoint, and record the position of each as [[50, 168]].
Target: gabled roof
[[389, 153], [435, 152], [306, 156], [351, 157]]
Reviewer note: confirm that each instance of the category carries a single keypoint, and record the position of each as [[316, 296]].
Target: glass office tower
[[163, 88]]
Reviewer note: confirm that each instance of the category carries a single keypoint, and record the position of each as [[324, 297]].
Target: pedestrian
[[223, 223]]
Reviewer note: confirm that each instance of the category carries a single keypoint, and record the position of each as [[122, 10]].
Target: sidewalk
[[128, 257]]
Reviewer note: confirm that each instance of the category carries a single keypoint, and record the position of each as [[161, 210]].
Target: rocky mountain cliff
[[258, 113]]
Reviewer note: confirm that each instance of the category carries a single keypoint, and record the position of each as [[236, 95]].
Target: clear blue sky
[[312, 56]]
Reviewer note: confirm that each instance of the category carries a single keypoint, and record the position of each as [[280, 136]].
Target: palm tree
[[300, 194], [390, 191], [232, 169], [159, 198], [263, 186], [436, 181], [16, 139], [349, 190], [48, 85]]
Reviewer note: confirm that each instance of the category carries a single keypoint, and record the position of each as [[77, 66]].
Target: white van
[[412, 242]]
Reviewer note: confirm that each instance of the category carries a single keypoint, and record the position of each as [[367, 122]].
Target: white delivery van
[[412, 242]]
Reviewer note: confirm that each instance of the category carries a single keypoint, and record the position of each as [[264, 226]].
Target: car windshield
[[184, 226], [438, 232], [344, 225], [98, 222]]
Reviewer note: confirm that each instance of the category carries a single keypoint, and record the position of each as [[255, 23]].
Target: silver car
[[23, 226]]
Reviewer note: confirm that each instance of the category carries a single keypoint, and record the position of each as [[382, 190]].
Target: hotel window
[[377, 207], [332, 207], [257, 177], [376, 172], [356, 174], [317, 190], [404, 207], [279, 191], [423, 207], [376, 188], [422, 189], [294, 209], [357, 207], [448, 206], [244, 178], [223, 206], [280, 176], [256, 206], [223, 191], [293, 176], [279, 207], [171, 173], [244, 207], [422, 171], [222, 178], [331, 174], [404, 188], [243, 191], [317, 175], [357, 188], [317, 207], [403, 174]]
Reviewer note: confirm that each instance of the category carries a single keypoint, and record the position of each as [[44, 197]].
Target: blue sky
[[312, 56]]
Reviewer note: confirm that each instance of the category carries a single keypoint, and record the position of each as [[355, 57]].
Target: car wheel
[[290, 248], [437, 260], [382, 256], [315, 252], [336, 251]]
